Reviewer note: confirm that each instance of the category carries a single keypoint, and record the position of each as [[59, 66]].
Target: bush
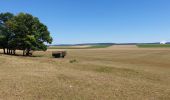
[[73, 61]]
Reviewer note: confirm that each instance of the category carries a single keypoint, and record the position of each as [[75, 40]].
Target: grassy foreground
[[87, 75], [154, 45]]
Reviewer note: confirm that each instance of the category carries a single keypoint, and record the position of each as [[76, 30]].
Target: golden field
[[113, 73]]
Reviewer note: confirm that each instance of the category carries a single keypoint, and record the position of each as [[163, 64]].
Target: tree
[[5, 33], [28, 33]]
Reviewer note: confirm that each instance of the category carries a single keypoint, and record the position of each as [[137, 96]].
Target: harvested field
[[127, 73], [122, 47]]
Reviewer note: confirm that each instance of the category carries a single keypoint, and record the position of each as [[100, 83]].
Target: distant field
[[87, 74], [154, 45], [79, 47]]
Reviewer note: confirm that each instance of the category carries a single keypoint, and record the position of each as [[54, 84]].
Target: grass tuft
[[73, 61]]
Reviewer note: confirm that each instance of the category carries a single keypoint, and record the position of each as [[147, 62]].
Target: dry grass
[[94, 74]]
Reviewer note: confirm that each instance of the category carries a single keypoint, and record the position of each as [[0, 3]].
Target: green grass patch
[[154, 45], [99, 46], [72, 47], [64, 47]]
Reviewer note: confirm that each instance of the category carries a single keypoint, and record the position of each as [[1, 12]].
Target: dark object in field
[[59, 54]]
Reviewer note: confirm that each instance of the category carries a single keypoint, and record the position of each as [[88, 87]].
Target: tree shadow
[[20, 55]]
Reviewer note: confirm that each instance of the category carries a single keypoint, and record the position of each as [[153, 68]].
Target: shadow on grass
[[20, 55]]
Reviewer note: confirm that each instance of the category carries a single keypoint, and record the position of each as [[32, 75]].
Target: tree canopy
[[23, 32]]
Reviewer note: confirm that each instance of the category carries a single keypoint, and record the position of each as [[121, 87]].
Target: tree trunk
[[23, 52], [7, 51], [10, 52], [14, 52], [4, 51]]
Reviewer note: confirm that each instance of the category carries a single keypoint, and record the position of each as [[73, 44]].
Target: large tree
[[27, 33], [30, 33]]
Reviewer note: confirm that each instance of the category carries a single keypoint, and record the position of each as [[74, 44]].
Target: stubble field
[[114, 73]]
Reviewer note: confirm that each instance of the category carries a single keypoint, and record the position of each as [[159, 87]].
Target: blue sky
[[89, 21]]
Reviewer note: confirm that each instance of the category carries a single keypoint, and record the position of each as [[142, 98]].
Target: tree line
[[22, 32]]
